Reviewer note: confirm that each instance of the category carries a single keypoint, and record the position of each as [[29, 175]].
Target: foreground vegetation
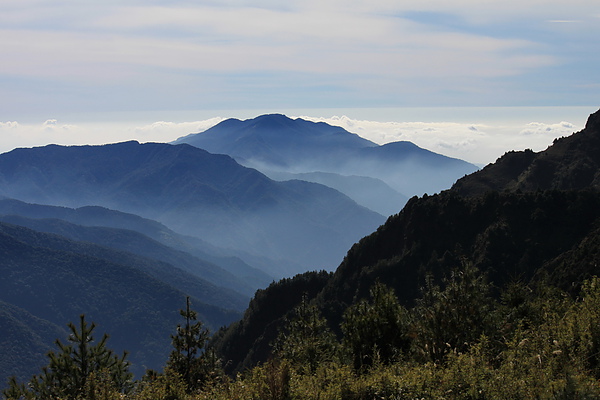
[[462, 339]]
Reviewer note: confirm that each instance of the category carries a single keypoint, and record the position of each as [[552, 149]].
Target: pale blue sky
[[64, 58], [73, 55]]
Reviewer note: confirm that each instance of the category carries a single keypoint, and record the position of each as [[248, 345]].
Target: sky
[[82, 71]]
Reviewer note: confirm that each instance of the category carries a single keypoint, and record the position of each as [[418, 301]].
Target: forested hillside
[[488, 290], [530, 235], [511, 237], [48, 279]]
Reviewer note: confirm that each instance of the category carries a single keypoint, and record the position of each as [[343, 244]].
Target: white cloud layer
[[53, 131], [67, 57], [474, 142], [471, 139]]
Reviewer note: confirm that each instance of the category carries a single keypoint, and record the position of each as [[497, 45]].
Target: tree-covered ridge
[[531, 236], [47, 280], [571, 163], [463, 339], [534, 238]]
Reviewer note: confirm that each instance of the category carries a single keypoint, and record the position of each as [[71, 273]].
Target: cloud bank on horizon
[[62, 58], [479, 143], [68, 56]]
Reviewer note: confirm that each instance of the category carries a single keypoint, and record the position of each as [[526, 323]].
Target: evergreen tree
[[69, 369], [453, 318], [375, 329], [189, 357], [306, 340]]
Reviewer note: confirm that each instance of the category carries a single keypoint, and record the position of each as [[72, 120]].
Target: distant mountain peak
[[593, 122], [275, 126], [275, 143], [273, 118]]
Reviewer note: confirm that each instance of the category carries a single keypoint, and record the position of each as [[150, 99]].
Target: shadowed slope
[[195, 193]]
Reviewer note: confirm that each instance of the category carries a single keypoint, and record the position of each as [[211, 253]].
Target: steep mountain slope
[[510, 234], [195, 193], [276, 143], [210, 263], [55, 280], [130, 248], [369, 192], [248, 340]]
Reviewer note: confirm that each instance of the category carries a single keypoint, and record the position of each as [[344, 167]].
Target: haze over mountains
[[281, 147], [53, 279], [195, 193], [124, 232], [529, 217], [129, 232]]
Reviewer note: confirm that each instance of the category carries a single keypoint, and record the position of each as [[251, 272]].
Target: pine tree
[[69, 369], [306, 340], [189, 357], [453, 318], [375, 329]]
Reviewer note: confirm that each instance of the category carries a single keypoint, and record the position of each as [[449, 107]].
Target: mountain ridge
[[570, 163], [535, 236], [95, 216], [122, 246], [278, 144], [195, 193]]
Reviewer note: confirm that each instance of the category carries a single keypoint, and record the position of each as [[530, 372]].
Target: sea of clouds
[[479, 143]]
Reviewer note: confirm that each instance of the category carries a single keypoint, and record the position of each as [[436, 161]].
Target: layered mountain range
[[195, 193], [529, 217], [125, 232], [378, 177], [50, 279]]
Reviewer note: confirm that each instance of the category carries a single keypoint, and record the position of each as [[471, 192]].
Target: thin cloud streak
[[376, 53]]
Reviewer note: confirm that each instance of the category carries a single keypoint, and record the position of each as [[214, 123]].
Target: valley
[[130, 230], [180, 221]]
